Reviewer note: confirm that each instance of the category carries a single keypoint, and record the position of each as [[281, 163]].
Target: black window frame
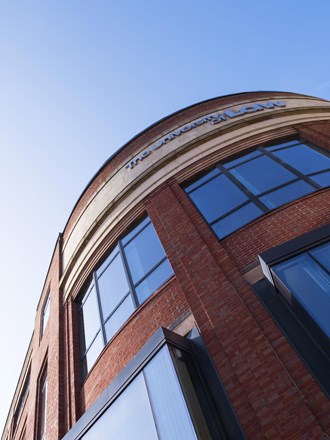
[[215, 404], [250, 197], [310, 342], [120, 244]]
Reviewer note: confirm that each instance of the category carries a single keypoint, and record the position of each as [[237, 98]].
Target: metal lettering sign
[[213, 119]]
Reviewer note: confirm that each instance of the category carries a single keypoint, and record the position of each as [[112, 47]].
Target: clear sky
[[78, 79]]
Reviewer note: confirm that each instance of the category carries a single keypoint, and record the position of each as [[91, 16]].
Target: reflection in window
[[241, 190], [21, 401], [45, 314], [155, 405], [42, 406], [135, 268], [307, 278]]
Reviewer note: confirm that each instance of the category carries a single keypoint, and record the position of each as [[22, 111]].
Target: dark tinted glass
[[262, 174], [143, 252], [243, 158], [236, 220], [304, 159], [310, 285], [322, 255], [203, 179], [282, 145], [217, 197], [286, 194], [113, 286], [322, 179]]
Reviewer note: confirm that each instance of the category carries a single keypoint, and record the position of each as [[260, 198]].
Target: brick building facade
[[189, 293]]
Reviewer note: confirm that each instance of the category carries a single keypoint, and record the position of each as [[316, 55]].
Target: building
[[189, 293]]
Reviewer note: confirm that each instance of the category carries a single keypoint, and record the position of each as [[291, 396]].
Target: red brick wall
[[161, 309], [272, 392]]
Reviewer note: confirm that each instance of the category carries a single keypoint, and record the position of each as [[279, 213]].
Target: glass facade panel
[[118, 318], [322, 255], [45, 314], [169, 407], [94, 351], [285, 194], [217, 197], [236, 220], [161, 274], [323, 179], [282, 145], [205, 178], [304, 159], [139, 261], [113, 286], [267, 177], [91, 317], [129, 417], [135, 268], [241, 159], [153, 405], [262, 174], [309, 283]]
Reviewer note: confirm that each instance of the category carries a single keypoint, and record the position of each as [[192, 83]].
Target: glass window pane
[[217, 197], [203, 179], [128, 418], [94, 350], [322, 179], [282, 145], [236, 220], [169, 407], [304, 159], [286, 194], [262, 174], [112, 286], [91, 317], [322, 254], [153, 281], [123, 312], [241, 159], [107, 261], [310, 285], [138, 228], [45, 314], [143, 252]]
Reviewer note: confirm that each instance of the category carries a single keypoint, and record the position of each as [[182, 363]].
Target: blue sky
[[78, 79]]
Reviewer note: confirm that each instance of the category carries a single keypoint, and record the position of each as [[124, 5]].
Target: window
[[135, 268], [296, 292], [45, 314], [163, 393], [305, 281], [21, 401], [42, 414], [236, 192]]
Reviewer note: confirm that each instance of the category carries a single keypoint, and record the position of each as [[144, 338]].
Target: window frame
[[120, 244], [255, 199], [41, 419], [299, 327], [213, 395], [45, 314], [21, 401]]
